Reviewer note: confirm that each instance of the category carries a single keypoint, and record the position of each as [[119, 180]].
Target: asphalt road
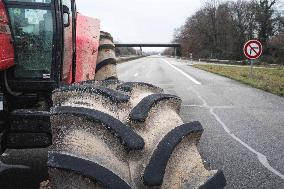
[[244, 127], [243, 135]]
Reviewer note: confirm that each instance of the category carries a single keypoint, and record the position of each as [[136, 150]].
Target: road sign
[[253, 49]]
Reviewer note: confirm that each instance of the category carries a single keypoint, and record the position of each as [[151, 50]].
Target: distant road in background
[[244, 133]]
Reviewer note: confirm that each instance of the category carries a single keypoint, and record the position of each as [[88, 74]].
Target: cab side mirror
[[66, 16]]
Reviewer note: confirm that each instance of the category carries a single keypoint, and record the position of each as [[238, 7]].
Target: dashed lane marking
[[215, 107], [183, 73]]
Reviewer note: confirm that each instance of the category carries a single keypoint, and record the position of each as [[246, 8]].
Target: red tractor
[[59, 89]]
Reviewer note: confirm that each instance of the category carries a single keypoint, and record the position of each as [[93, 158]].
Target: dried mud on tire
[[111, 134], [106, 63]]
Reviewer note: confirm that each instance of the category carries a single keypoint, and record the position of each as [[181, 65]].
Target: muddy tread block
[[98, 83], [30, 121], [130, 86], [105, 63], [109, 37], [113, 95], [112, 78], [28, 140], [217, 181], [106, 35], [155, 170], [106, 47], [127, 136], [141, 111], [111, 82], [105, 177]]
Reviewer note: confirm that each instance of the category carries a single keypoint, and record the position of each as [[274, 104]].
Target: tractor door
[[7, 50], [37, 40], [69, 19]]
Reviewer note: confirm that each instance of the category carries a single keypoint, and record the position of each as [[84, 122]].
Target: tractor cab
[[42, 35], [40, 49]]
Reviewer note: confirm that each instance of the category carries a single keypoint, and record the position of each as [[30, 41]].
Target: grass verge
[[270, 80]]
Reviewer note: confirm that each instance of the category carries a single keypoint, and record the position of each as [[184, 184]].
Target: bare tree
[[265, 19], [219, 30]]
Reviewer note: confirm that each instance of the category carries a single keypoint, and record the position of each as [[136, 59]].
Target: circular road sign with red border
[[253, 49]]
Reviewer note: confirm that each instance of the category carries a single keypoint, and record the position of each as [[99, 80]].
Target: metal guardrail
[[176, 46]]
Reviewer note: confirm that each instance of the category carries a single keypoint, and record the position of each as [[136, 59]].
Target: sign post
[[252, 50], [251, 68]]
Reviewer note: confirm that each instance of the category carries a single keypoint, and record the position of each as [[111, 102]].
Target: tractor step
[[2, 147], [4, 167], [24, 101], [3, 126], [30, 121], [29, 129], [28, 140]]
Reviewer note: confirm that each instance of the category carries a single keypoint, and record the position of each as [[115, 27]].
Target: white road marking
[[261, 158], [135, 75], [183, 73], [202, 106], [196, 106]]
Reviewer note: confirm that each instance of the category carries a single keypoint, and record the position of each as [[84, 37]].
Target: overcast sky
[[142, 21]]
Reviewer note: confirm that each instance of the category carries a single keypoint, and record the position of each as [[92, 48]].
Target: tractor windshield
[[33, 31]]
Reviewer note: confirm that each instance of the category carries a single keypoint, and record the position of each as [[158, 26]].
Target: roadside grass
[[270, 80]]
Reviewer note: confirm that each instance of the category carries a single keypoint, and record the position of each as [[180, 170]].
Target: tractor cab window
[[33, 41]]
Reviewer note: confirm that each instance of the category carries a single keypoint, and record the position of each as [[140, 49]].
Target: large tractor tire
[[111, 134], [106, 63]]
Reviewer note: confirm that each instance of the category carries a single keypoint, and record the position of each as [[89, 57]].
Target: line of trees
[[126, 51], [220, 29]]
